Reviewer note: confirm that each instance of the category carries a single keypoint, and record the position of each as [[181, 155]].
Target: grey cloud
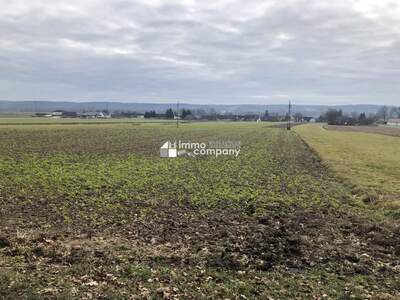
[[228, 51]]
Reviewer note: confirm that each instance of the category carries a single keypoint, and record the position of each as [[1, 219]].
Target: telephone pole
[[289, 125], [177, 114]]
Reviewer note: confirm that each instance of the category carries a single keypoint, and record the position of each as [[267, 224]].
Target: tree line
[[169, 114], [337, 117]]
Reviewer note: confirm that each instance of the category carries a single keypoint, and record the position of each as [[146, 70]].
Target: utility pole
[[384, 114], [289, 116], [177, 114]]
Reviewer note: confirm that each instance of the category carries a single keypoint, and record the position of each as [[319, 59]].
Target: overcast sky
[[216, 51]]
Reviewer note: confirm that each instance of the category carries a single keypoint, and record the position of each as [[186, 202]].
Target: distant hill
[[48, 106]]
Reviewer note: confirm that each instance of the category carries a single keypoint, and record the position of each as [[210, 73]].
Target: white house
[[93, 115], [57, 114], [393, 122]]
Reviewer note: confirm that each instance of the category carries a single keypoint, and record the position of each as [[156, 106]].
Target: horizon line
[[200, 104]]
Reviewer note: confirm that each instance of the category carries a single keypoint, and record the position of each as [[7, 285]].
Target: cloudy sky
[[216, 51]]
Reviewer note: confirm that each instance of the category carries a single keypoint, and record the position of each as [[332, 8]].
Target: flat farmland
[[369, 162], [28, 121], [92, 211], [385, 130]]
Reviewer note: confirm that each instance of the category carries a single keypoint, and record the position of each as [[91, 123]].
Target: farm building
[[95, 115], [393, 122], [57, 113], [63, 114]]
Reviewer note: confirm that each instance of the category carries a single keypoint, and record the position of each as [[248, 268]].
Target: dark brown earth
[[301, 245], [287, 238]]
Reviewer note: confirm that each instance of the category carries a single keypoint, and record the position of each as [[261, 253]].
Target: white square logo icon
[[168, 150]]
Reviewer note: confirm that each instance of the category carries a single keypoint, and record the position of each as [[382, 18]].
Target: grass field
[[93, 212], [385, 130], [369, 161]]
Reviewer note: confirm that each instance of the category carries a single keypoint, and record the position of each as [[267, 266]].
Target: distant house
[[307, 119], [106, 115], [393, 122], [95, 115], [57, 113]]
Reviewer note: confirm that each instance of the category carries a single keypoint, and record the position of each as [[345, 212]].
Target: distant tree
[[333, 116], [150, 114], [212, 114], [228, 116], [394, 112], [183, 113], [298, 117], [125, 114], [199, 112], [186, 113], [354, 115], [169, 114], [362, 119], [383, 113], [321, 119]]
